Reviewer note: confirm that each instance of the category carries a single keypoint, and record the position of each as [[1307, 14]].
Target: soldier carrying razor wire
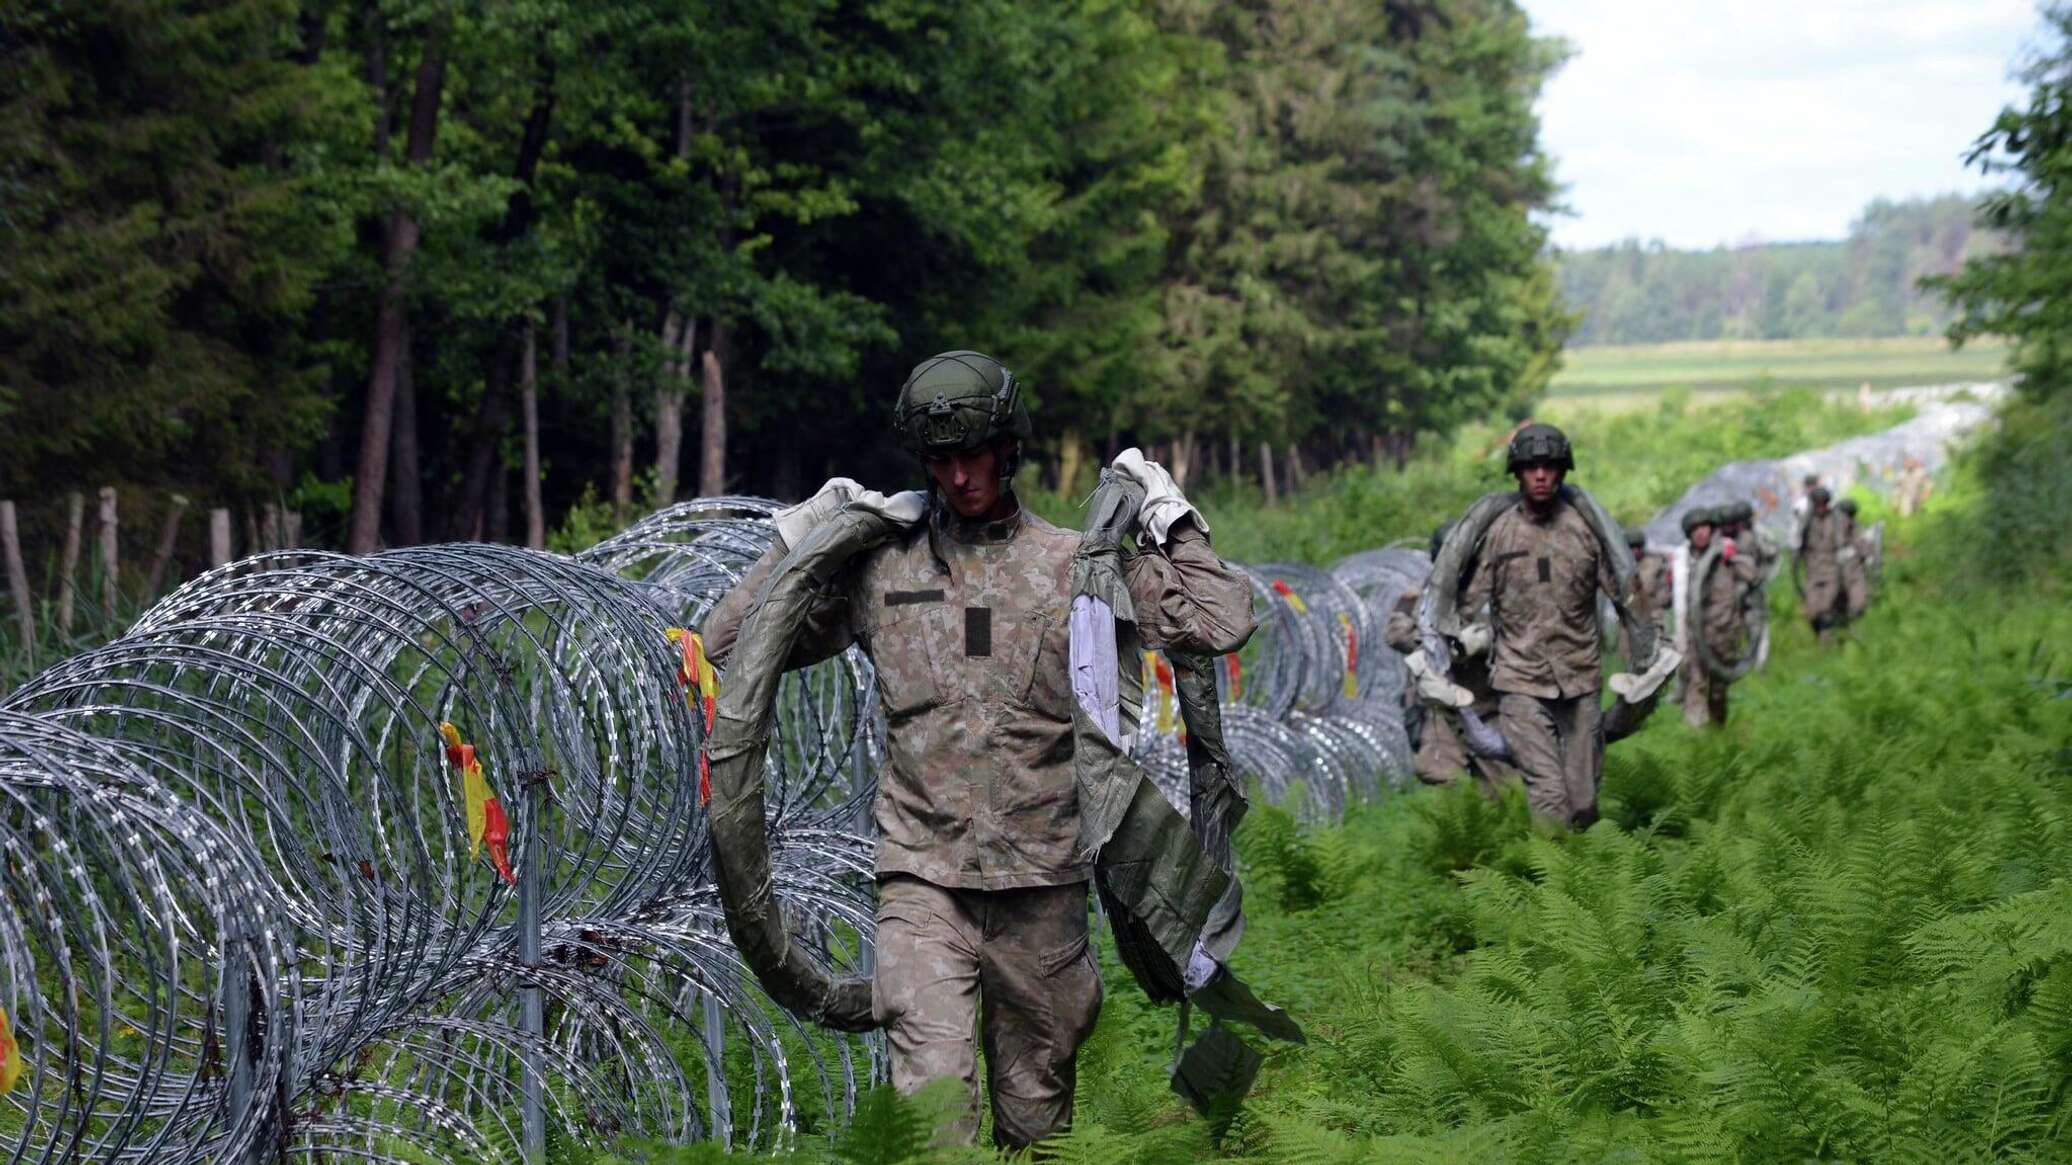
[[1540, 569], [1821, 538], [982, 889], [1712, 604], [1441, 754]]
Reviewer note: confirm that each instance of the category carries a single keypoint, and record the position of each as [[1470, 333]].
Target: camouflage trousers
[[1013, 967], [1704, 695], [1558, 748]]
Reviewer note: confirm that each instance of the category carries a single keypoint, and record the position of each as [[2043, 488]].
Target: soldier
[[1441, 754], [1651, 583], [1540, 570], [1820, 541], [1854, 558], [982, 890], [1803, 505], [1712, 607]]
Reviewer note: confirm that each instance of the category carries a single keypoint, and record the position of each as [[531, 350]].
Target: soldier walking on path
[[1539, 570], [1713, 607], [1854, 558], [982, 890], [1821, 538]]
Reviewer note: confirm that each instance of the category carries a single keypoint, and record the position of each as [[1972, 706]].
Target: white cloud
[[1772, 119]]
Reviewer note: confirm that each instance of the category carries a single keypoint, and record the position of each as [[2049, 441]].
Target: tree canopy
[[341, 249]]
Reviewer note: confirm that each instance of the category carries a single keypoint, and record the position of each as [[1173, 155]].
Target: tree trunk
[[496, 517], [68, 560], [1297, 475], [1183, 458], [406, 507], [219, 537], [18, 581], [493, 419], [678, 333], [712, 445], [168, 538], [111, 566], [529, 425], [622, 429], [363, 529], [1233, 458], [1071, 451], [1266, 471]]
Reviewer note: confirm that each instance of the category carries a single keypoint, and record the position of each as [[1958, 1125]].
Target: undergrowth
[[1840, 928]]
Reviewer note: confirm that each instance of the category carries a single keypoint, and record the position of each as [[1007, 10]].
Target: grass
[[1840, 928], [1626, 376]]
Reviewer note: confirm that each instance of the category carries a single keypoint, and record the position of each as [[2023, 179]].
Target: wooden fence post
[[110, 567], [18, 579], [219, 537], [168, 538], [68, 561]]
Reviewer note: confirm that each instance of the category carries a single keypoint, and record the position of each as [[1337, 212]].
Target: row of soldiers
[[1529, 658]]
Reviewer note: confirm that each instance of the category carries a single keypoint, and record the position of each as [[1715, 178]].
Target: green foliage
[[2025, 293], [1865, 285]]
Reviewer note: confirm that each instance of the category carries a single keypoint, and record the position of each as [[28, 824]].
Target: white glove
[[1635, 688], [795, 522], [1473, 638], [1164, 504], [1436, 689]]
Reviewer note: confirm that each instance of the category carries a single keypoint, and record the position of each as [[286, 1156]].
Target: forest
[[1868, 284], [419, 271]]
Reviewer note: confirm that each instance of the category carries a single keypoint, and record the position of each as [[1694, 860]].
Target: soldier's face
[[1701, 536], [1539, 480], [969, 480]]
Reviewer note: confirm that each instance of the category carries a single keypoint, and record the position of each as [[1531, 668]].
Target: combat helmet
[[1819, 495], [1636, 537], [954, 401], [1535, 443], [1698, 516], [1735, 513], [1847, 505]]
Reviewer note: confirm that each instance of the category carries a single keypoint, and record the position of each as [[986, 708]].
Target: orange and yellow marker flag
[[1352, 656], [1294, 600], [1162, 673], [487, 822], [1234, 671], [10, 1055], [701, 682]]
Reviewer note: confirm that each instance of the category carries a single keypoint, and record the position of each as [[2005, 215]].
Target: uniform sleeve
[[1607, 577], [1400, 632], [1187, 598], [827, 630], [1481, 585]]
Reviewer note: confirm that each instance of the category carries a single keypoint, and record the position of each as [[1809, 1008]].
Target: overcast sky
[[1701, 124]]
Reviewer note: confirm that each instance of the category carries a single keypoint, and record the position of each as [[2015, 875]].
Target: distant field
[[1621, 376]]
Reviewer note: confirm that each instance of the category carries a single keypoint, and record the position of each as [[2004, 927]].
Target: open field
[[1621, 376]]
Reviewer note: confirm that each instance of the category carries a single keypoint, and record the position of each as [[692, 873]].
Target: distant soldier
[[1539, 571], [1441, 754], [1712, 607], [1651, 592], [1854, 558], [1801, 506], [1821, 539]]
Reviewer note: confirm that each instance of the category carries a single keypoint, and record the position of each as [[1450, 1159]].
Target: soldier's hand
[[1726, 550]]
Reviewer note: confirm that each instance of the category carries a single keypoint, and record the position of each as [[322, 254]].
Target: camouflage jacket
[[968, 626], [1820, 540], [1541, 578], [1651, 589], [1718, 612]]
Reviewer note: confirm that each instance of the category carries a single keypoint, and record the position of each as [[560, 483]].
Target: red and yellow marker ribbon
[[1294, 600], [11, 1066], [1352, 656], [1234, 672], [701, 687], [1162, 677], [487, 823]]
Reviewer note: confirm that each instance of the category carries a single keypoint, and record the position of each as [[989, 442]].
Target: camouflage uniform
[[1855, 572], [983, 894], [1821, 540], [1541, 577], [1716, 613]]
